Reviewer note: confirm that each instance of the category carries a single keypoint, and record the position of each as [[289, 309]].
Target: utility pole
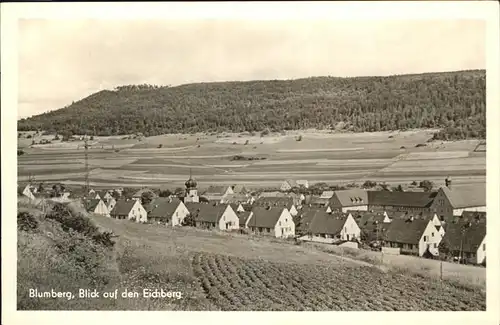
[[86, 146]]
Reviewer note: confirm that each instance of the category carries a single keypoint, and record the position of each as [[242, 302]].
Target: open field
[[320, 156], [218, 271]]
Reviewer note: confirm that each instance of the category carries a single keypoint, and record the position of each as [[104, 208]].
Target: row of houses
[[395, 232], [446, 202]]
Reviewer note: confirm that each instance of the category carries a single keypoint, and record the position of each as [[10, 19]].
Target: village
[[447, 224]]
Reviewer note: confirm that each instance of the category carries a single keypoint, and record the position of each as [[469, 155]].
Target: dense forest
[[452, 101]]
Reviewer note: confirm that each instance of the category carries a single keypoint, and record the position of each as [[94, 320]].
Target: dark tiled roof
[[327, 223], [466, 196], [353, 197], [265, 217], [236, 198], [243, 216], [405, 231], [235, 206], [473, 235], [274, 202], [215, 190], [401, 199], [206, 212], [415, 215], [163, 207], [305, 217], [123, 207], [368, 221]]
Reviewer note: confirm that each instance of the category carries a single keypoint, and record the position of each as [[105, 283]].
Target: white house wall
[[350, 228], [101, 209], [179, 214], [138, 213], [432, 240], [458, 212], [285, 227], [229, 216], [355, 208], [481, 253]]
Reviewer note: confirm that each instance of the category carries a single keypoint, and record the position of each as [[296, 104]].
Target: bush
[[369, 184], [20, 152], [426, 185], [160, 145], [26, 221]]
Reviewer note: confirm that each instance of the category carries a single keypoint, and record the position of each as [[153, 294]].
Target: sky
[[61, 61]]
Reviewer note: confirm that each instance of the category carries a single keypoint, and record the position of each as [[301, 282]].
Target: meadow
[[319, 156], [237, 272]]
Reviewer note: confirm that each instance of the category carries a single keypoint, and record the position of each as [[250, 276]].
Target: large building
[[453, 201]]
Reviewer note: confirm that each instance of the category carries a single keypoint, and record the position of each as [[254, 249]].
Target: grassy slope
[[192, 261]]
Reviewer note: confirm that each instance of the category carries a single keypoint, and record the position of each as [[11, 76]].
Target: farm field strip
[[319, 150], [234, 283]]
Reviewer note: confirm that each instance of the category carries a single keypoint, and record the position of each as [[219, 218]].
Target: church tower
[[191, 191]]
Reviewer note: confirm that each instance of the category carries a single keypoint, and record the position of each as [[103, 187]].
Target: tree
[[57, 190], [398, 188], [146, 197], [128, 192], [190, 220], [165, 193], [179, 191], [41, 187], [414, 183], [20, 152], [369, 184], [426, 185], [444, 248]]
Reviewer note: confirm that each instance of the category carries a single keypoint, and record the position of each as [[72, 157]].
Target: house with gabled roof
[[372, 224], [103, 195], [412, 236], [217, 193], [433, 217], [333, 227], [97, 206], [212, 215], [353, 199], [167, 211], [288, 184], [237, 199], [452, 201], [240, 189], [466, 240], [129, 210], [400, 201], [287, 202], [319, 201], [304, 218], [25, 191], [274, 221]]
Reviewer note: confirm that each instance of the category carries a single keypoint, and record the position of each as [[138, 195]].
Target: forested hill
[[454, 101]]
